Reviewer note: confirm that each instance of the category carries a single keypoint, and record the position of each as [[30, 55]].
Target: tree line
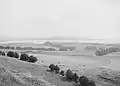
[[22, 56], [72, 77], [42, 48], [105, 51]]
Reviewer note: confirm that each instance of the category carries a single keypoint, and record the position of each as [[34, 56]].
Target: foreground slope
[[11, 77]]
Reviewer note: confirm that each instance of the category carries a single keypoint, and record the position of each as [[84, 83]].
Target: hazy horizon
[[97, 19]]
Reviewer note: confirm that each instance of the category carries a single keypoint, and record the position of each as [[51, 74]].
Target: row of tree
[[23, 56], [105, 51], [70, 76], [42, 49]]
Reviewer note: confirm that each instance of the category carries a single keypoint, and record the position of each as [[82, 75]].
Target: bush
[[10, 54], [75, 77], [69, 74], [24, 57], [52, 67], [0, 52], [32, 59], [84, 81], [62, 73], [92, 83], [3, 53], [16, 55], [13, 54], [57, 69]]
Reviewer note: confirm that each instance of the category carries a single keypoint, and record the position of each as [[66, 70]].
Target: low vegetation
[[54, 68], [52, 47], [2, 53], [13, 54], [105, 51], [73, 77], [32, 59], [23, 56]]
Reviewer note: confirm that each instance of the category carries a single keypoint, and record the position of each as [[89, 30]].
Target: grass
[[28, 74]]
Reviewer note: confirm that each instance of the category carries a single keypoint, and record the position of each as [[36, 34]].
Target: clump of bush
[[105, 51], [25, 57], [62, 73], [13, 54], [32, 59], [75, 77], [10, 54], [84, 81], [57, 69], [54, 68], [2, 53], [70, 76], [16, 55]]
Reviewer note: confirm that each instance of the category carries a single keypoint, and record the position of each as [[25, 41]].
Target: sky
[[64, 18]]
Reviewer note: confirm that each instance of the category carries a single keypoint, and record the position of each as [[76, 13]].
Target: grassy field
[[104, 70]]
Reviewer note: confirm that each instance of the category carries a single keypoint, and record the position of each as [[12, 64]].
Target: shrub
[[75, 77], [92, 83], [13, 54], [32, 59], [24, 57], [0, 52], [69, 74], [16, 55], [62, 73], [84, 81], [52, 67], [57, 69], [3, 53], [10, 54]]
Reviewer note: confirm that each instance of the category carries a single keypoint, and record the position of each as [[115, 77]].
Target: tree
[[92, 83], [52, 67], [62, 73], [84, 81], [16, 55], [13, 54], [69, 74], [56, 69], [75, 77], [10, 54], [3, 53], [24, 57], [32, 59]]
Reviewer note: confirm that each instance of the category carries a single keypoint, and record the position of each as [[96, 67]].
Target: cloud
[[44, 18]]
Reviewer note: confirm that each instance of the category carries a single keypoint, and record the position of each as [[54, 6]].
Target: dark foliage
[[13, 54], [105, 51], [32, 59], [62, 73], [75, 77], [52, 67], [92, 83], [69, 74], [84, 81], [57, 69], [3, 53], [10, 54], [24, 57], [16, 55]]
